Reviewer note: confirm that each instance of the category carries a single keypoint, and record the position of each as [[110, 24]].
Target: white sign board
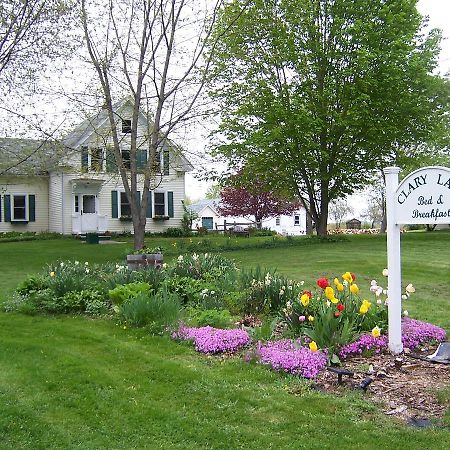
[[422, 197]]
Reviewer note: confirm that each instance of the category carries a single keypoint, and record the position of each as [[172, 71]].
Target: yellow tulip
[[354, 289], [363, 309], [313, 346], [334, 300], [336, 282], [348, 277], [376, 332], [311, 318], [52, 274], [329, 292], [304, 299], [340, 287]]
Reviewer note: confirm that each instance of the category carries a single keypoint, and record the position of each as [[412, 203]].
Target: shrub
[[268, 291], [202, 266], [126, 291], [154, 311], [188, 289], [217, 318], [31, 284], [173, 232]]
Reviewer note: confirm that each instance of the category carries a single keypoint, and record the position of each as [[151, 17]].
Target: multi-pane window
[[160, 205], [125, 209], [126, 126], [97, 159], [296, 220], [126, 158], [76, 204], [19, 207], [277, 221]]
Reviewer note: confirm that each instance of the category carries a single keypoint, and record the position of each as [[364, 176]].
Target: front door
[[89, 216]]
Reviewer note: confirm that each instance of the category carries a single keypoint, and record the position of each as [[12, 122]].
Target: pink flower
[[302, 318]]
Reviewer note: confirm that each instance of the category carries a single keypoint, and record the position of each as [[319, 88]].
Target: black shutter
[[7, 199], [170, 203], [111, 166], [141, 159], [32, 208], [114, 205], [149, 205]]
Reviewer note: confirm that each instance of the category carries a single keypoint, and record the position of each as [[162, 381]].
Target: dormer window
[[126, 126]]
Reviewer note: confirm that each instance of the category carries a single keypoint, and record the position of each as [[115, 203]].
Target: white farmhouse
[[210, 218], [74, 187]]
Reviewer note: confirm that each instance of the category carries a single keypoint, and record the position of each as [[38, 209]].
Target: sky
[[438, 12]]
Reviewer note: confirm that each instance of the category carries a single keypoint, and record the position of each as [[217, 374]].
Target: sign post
[[423, 197], [394, 263]]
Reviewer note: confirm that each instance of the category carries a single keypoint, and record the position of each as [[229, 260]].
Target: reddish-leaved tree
[[255, 204]]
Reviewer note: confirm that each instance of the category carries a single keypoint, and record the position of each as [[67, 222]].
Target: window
[[96, 159], [125, 209], [160, 204], [126, 158], [19, 207], [76, 204], [126, 126], [156, 163], [277, 221], [296, 220]]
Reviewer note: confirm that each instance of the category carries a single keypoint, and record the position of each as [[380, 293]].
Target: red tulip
[[340, 307], [337, 314], [323, 283], [308, 293]]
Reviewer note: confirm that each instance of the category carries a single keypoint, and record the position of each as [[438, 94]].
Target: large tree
[[152, 51], [317, 93]]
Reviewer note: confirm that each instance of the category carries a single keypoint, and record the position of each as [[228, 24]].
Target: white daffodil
[[385, 272], [410, 289]]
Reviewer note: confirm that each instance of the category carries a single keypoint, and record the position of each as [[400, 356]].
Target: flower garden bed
[[282, 325]]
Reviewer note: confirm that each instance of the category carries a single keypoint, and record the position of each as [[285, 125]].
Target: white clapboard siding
[[37, 186], [61, 221]]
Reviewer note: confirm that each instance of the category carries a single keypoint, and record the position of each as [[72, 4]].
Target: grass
[[70, 382], [90, 384]]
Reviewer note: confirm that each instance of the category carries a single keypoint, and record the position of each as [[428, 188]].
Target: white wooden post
[[394, 264]]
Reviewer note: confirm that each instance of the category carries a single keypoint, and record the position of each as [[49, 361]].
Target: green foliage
[[217, 318], [187, 288], [268, 291], [325, 72], [263, 332], [91, 302], [31, 284], [156, 312], [202, 266], [126, 291], [173, 232]]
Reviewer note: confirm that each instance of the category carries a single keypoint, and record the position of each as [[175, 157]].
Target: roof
[[199, 206], [28, 156], [37, 157], [93, 123]]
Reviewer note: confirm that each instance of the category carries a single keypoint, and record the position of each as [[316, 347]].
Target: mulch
[[405, 386]]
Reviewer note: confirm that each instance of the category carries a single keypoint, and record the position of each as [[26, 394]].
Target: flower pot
[[138, 262]]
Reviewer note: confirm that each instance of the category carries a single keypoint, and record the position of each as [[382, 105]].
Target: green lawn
[[71, 382]]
